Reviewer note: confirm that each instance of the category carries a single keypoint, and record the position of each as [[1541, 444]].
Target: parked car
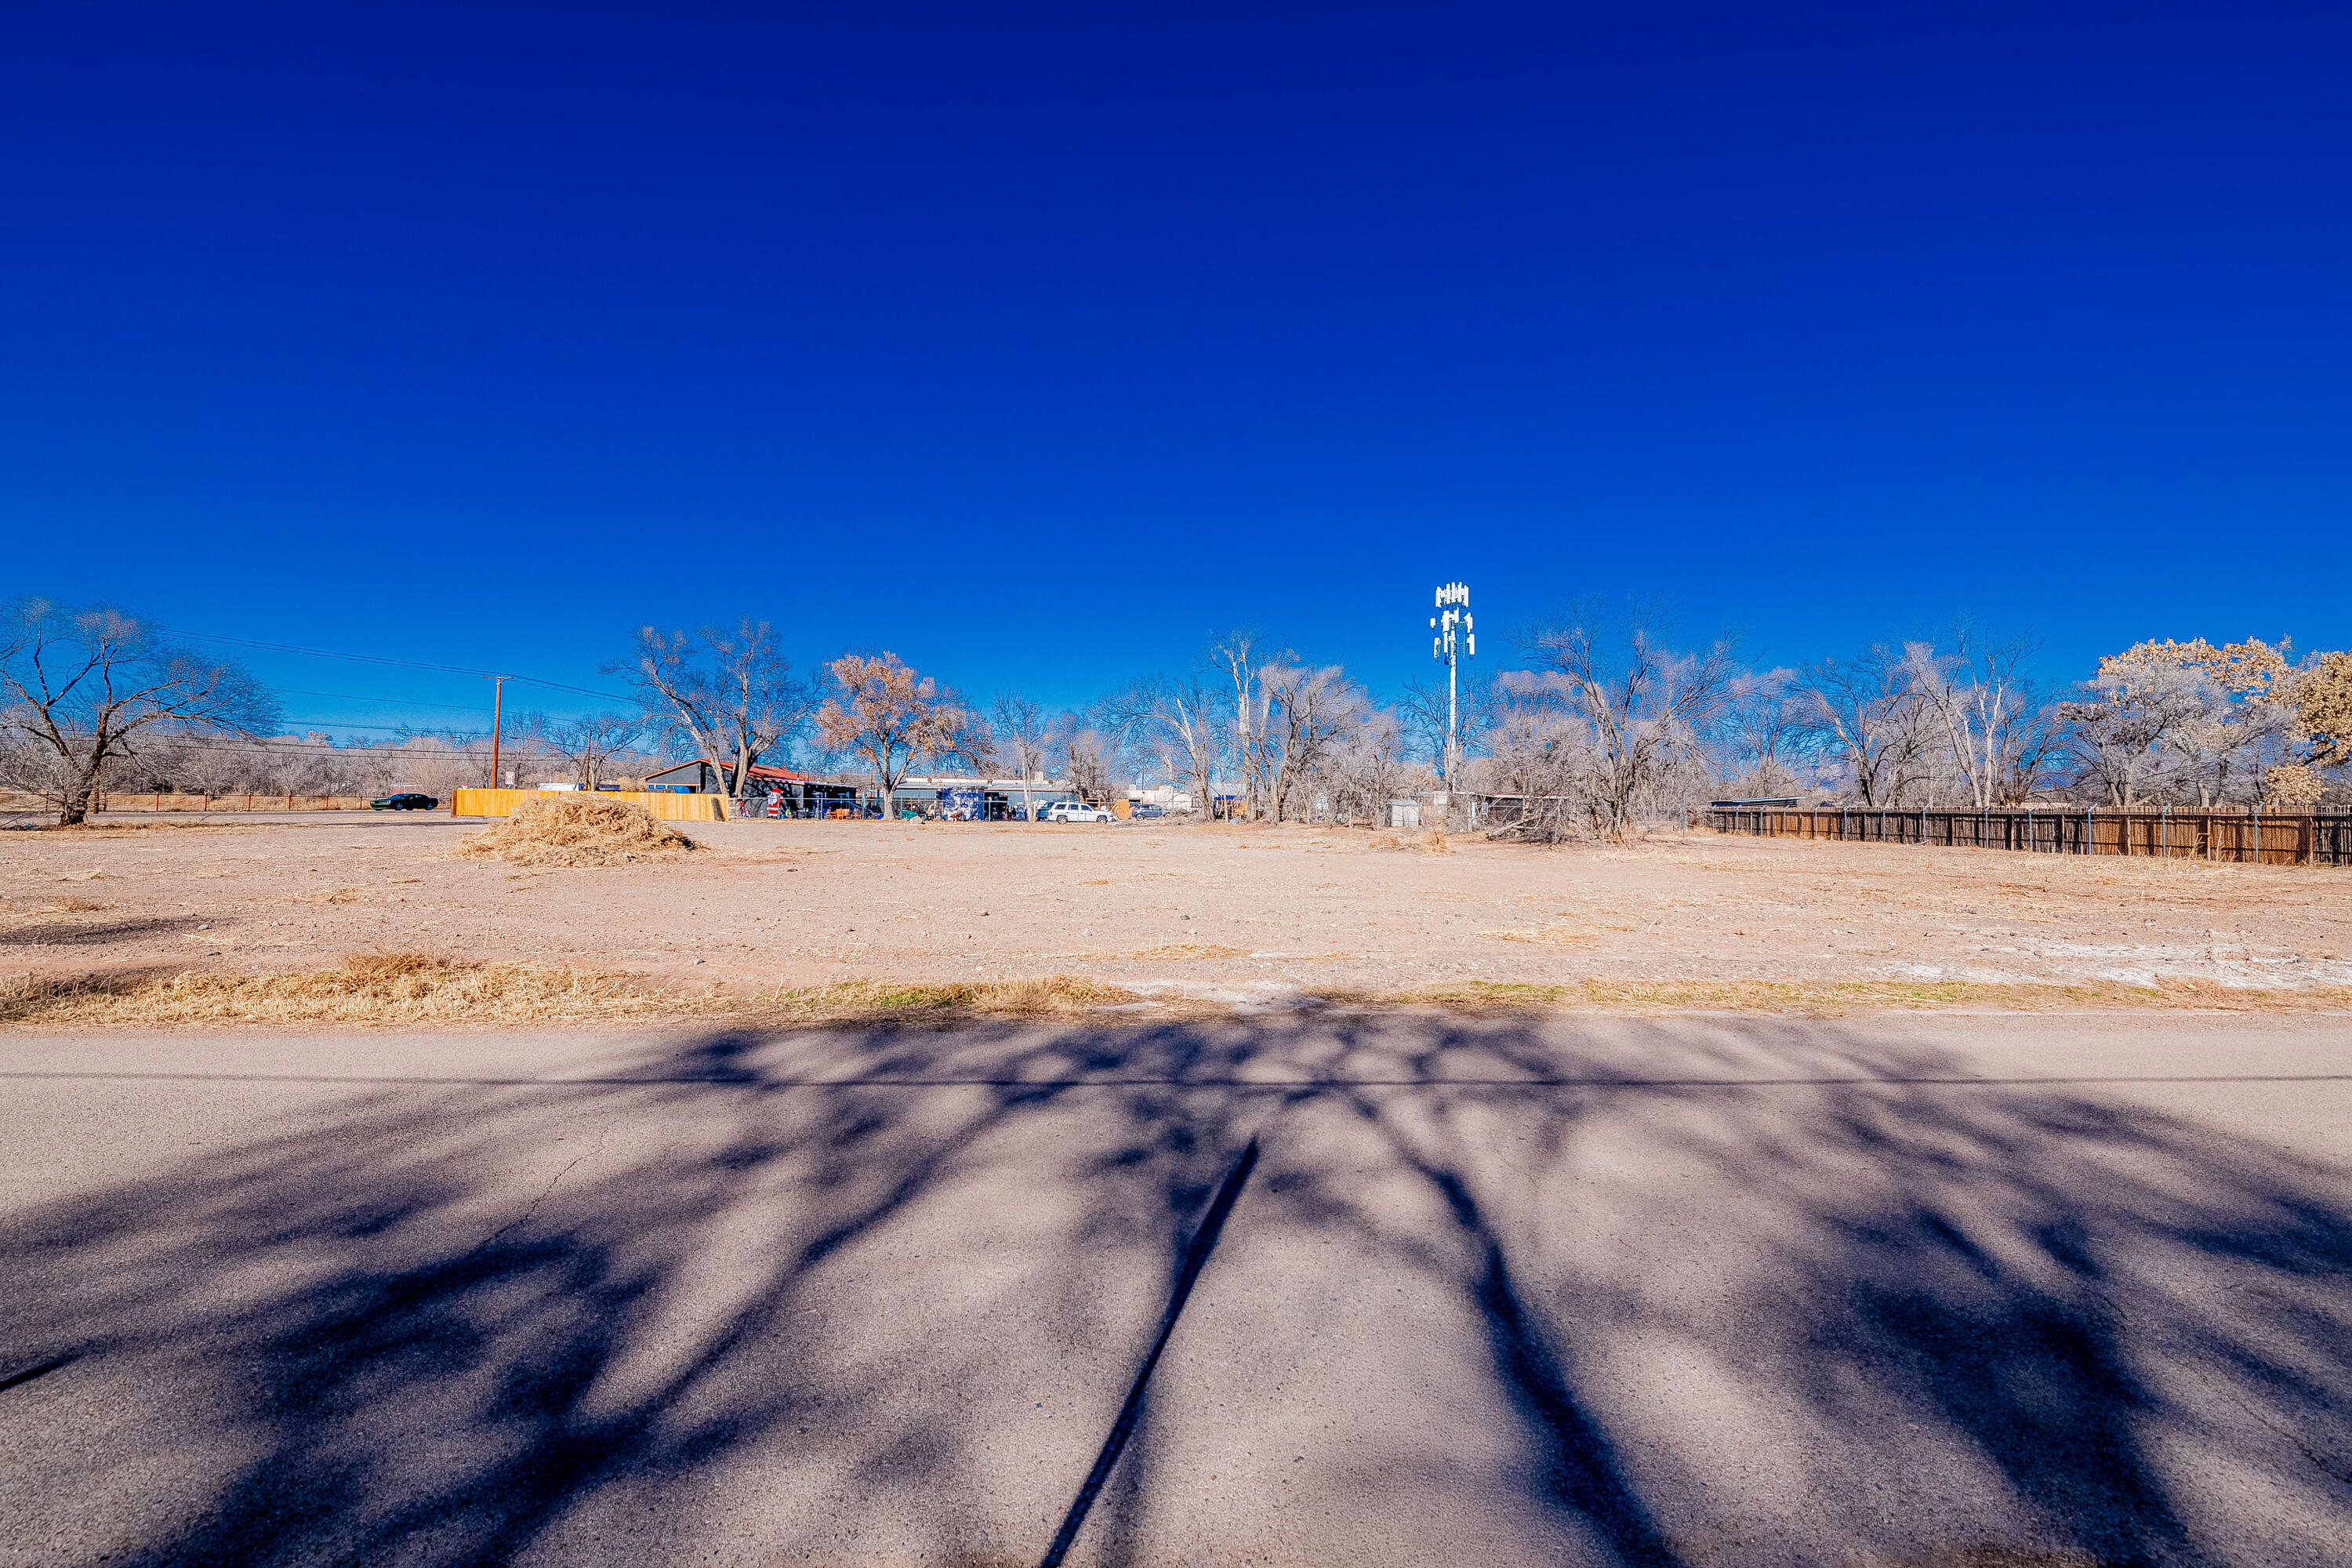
[[404, 803], [1077, 811], [1144, 813]]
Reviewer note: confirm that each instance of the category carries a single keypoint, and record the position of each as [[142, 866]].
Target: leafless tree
[[1089, 756], [726, 692], [1183, 717], [1232, 659], [2124, 720], [1424, 709], [2167, 720], [590, 742], [1869, 714], [1370, 766], [1307, 711], [1976, 687], [83, 688], [1024, 736], [1641, 702], [1763, 728]]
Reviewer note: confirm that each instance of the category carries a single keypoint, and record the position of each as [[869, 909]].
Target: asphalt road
[[1982, 1289]]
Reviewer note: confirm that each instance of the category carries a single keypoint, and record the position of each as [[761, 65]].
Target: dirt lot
[[1230, 915]]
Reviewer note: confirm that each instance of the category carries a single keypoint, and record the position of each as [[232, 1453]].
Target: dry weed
[[1549, 936], [561, 829], [1179, 950], [329, 896], [1042, 995], [1836, 998], [365, 988]]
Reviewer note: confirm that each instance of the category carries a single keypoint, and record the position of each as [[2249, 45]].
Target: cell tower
[[1454, 641]]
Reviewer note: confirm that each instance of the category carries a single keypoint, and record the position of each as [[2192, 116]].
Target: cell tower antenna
[[1455, 640]]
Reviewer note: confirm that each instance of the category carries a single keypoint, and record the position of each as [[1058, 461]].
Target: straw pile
[[560, 829]]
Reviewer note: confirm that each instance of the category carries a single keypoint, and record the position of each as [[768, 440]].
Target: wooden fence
[[671, 807], [2181, 833]]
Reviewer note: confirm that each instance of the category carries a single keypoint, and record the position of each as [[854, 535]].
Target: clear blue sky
[[1034, 343]]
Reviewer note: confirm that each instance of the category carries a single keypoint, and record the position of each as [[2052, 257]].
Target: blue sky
[[1035, 343]]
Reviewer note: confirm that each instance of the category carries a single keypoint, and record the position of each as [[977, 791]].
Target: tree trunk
[[73, 810]]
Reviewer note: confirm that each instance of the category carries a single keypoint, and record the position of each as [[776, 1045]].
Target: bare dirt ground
[[1219, 915]]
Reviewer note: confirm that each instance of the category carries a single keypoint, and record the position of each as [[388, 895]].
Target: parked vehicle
[[404, 803], [1144, 813], [1077, 811]]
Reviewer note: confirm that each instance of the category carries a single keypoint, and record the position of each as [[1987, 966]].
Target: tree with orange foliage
[[2323, 704], [890, 718]]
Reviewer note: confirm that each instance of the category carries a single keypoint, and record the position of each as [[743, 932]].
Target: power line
[[404, 663], [345, 724], [395, 701]]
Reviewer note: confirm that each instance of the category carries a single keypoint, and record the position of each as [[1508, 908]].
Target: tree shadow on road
[[810, 1273]]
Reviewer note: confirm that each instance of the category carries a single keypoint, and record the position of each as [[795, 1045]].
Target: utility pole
[[498, 715], [1454, 641]]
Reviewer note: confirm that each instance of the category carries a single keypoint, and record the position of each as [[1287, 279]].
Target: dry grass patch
[[1548, 936], [1184, 950], [1835, 998], [365, 988], [1039, 997], [329, 896], [564, 829]]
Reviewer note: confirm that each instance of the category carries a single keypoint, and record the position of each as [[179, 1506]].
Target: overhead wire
[[402, 663], [394, 702]]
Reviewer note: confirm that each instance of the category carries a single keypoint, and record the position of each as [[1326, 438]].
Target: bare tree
[[82, 687], [1186, 711], [1307, 712], [1090, 756], [2124, 723], [1763, 727], [1370, 766], [1643, 703], [589, 743], [1424, 709], [2163, 718], [1869, 713], [890, 718], [1232, 660], [1976, 688], [726, 692], [1024, 736]]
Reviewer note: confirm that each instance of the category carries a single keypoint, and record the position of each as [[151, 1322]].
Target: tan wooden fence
[[2191, 833], [673, 807]]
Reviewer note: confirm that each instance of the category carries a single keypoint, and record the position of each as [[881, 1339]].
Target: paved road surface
[[1696, 1291]]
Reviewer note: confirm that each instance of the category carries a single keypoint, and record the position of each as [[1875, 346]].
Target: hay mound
[[559, 829]]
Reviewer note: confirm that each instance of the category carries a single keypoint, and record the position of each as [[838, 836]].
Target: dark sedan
[[404, 803]]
